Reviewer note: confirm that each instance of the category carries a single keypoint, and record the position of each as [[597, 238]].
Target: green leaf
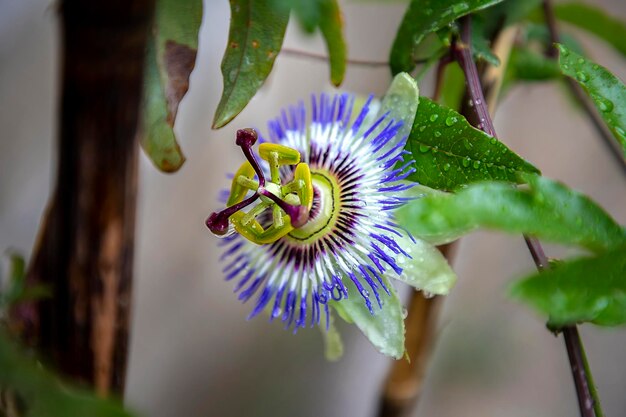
[[384, 329], [427, 270], [424, 17], [583, 290], [548, 210], [594, 20], [607, 92], [454, 86], [333, 346], [528, 65], [170, 58], [505, 14], [255, 38], [448, 152], [481, 46], [400, 103], [331, 26], [42, 394]]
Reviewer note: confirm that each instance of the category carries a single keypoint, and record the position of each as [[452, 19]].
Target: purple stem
[[463, 53]]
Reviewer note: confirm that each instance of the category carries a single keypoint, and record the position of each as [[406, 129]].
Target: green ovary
[[329, 205]]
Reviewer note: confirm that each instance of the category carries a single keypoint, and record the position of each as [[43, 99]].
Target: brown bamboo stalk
[[85, 249]]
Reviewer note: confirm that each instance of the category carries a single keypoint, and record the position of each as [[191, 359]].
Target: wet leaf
[[424, 17], [547, 209], [400, 103], [256, 35], [583, 290], [448, 152], [42, 394], [384, 329], [170, 58], [594, 20], [427, 269], [607, 92]]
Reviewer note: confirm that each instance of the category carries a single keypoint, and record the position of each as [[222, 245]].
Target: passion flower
[[319, 226]]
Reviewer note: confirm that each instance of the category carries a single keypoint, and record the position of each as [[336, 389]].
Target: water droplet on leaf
[[582, 76], [451, 120], [434, 117]]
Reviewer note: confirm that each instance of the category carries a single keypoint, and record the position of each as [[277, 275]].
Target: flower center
[[327, 202], [290, 203]]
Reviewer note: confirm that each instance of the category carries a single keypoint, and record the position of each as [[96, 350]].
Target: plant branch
[[578, 93], [320, 57], [582, 379]]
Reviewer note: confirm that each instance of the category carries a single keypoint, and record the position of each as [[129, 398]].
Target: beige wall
[[193, 353]]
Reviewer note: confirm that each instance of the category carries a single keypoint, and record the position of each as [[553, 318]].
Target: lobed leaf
[[256, 35], [547, 209], [384, 329], [583, 290], [170, 59], [447, 152], [594, 20], [607, 92], [424, 17]]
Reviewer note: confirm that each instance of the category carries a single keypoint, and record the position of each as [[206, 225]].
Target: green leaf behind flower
[[424, 17], [426, 269], [170, 58], [448, 152], [547, 210], [255, 38], [384, 329], [594, 20], [607, 92], [583, 290]]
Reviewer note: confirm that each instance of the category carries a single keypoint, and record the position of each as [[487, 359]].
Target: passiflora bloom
[[310, 222]]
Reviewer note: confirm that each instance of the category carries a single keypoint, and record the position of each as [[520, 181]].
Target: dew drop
[[405, 312], [493, 141], [422, 128], [563, 50], [581, 61], [437, 133], [424, 148], [582, 76], [451, 120], [476, 164], [605, 105], [466, 162], [460, 8], [446, 167], [365, 293], [434, 117], [427, 294], [620, 131], [468, 145]]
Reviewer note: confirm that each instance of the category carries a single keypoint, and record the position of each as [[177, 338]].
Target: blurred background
[[192, 351]]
